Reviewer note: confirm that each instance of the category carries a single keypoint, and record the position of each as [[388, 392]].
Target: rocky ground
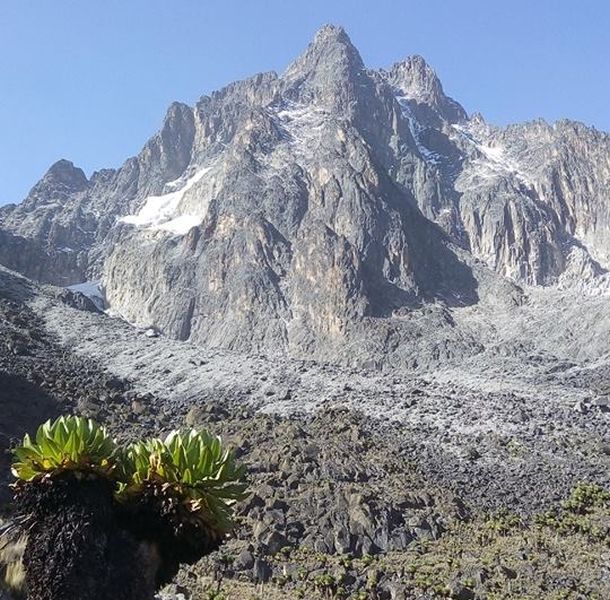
[[364, 484]]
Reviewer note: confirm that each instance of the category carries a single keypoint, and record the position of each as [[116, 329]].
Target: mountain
[[395, 313], [339, 213]]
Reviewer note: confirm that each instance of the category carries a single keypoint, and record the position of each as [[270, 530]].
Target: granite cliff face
[[326, 212]]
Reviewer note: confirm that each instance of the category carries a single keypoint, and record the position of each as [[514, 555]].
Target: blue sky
[[90, 80]]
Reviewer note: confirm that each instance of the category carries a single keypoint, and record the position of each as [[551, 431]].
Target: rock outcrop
[[311, 212], [354, 476]]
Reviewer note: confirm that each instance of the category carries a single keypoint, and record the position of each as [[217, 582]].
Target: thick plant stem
[[75, 550]]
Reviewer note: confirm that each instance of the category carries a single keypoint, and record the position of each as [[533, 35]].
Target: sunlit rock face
[[314, 211]]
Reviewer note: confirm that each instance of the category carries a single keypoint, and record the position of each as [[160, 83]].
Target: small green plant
[[324, 581], [69, 443], [193, 468], [367, 560], [584, 497], [503, 522], [579, 513], [346, 561]]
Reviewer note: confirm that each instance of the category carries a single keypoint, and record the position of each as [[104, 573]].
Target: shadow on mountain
[[12, 286], [30, 258], [445, 277], [23, 407], [437, 273]]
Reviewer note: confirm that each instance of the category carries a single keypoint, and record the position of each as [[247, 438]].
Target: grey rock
[[261, 571], [581, 407], [275, 542], [244, 561], [329, 209]]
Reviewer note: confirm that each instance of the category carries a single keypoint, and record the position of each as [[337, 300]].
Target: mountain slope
[[326, 210], [351, 472]]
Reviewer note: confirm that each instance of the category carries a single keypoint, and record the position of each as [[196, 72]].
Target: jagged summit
[[331, 45], [326, 210], [327, 71], [417, 76], [418, 81], [332, 34], [60, 182], [64, 172]]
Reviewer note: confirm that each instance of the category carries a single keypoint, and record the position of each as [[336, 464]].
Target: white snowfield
[[163, 212]]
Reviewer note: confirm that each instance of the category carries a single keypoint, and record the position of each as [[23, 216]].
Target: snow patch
[[494, 162], [304, 124], [416, 130], [180, 225], [163, 212]]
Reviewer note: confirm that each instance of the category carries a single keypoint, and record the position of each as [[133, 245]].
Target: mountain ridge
[[314, 210]]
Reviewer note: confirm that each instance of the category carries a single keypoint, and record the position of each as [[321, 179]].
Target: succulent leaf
[[69, 443], [195, 468]]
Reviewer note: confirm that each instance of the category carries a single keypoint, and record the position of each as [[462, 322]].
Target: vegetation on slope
[[561, 554]]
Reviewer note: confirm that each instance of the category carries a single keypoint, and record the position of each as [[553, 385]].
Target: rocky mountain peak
[[317, 211], [169, 152], [58, 184], [418, 81], [333, 35], [327, 71], [63, 173], [415, 76]]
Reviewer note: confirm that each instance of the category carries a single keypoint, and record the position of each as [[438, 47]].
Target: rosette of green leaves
[[69, 443], [194, 468]]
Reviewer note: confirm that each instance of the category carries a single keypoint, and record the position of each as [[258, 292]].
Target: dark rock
[[275, 542], [261, 570]]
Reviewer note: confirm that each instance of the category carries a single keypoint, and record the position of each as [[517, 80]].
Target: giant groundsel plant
[[69, 443], [88, 507], [193, 469]]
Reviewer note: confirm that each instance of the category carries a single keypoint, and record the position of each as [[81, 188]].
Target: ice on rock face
[[494, 159], [163, 212], [180, 225], [416, 130], [304, 126]]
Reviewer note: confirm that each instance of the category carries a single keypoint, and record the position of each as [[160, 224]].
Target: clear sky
[[90, 80]]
